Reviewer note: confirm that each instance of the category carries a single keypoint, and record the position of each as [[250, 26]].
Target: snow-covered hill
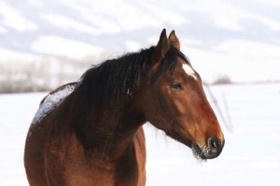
[[238, 38]]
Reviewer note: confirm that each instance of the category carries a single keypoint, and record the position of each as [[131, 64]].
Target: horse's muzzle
[[212, 150]]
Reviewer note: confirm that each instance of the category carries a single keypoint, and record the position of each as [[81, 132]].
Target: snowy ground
[[250, 156]]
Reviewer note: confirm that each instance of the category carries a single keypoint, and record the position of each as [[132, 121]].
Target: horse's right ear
[[162, 47]]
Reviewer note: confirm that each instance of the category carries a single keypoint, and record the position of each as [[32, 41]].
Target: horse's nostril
[[216, 143]]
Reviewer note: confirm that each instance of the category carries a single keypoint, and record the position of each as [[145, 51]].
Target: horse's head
[[175, 102]]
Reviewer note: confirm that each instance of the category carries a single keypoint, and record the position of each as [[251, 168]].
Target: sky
[[239, 39]]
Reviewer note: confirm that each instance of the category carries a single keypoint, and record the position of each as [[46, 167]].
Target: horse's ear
[[162, 47], [174, 41]]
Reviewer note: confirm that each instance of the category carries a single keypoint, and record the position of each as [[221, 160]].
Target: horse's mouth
[[198, 152], [211, 150]]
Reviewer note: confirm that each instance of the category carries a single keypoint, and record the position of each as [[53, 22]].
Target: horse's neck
[[106, 131]]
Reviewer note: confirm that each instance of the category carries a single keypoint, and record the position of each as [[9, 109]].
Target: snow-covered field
[[250, 156]]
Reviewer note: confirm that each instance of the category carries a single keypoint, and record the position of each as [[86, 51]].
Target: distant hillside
[[234, 38]]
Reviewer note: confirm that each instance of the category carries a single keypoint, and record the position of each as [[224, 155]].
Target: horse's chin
[[198, 152]]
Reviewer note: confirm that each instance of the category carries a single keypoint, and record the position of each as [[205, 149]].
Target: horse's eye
[[177, 86]]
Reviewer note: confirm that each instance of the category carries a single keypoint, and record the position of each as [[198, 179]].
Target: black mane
[[108, 82]]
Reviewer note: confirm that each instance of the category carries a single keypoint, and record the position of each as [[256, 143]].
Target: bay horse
[[90, 132]]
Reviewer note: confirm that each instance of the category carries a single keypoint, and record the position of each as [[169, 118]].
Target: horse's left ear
[[174, 41], [162, 47]]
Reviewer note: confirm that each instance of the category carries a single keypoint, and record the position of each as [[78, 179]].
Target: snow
[[232, 13], [244, 48], [132, 45], [55, 45], [69, 24], [11, 55], [271, 2], [222, 35], [107, 17], [15, 20], [2, 30], [165, 15], [51, 102], [237, 60], [250, 156]]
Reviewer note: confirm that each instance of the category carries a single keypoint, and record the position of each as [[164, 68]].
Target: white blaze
[[188, 69]]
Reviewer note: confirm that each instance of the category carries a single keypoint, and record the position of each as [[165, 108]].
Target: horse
[[90, 132]]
